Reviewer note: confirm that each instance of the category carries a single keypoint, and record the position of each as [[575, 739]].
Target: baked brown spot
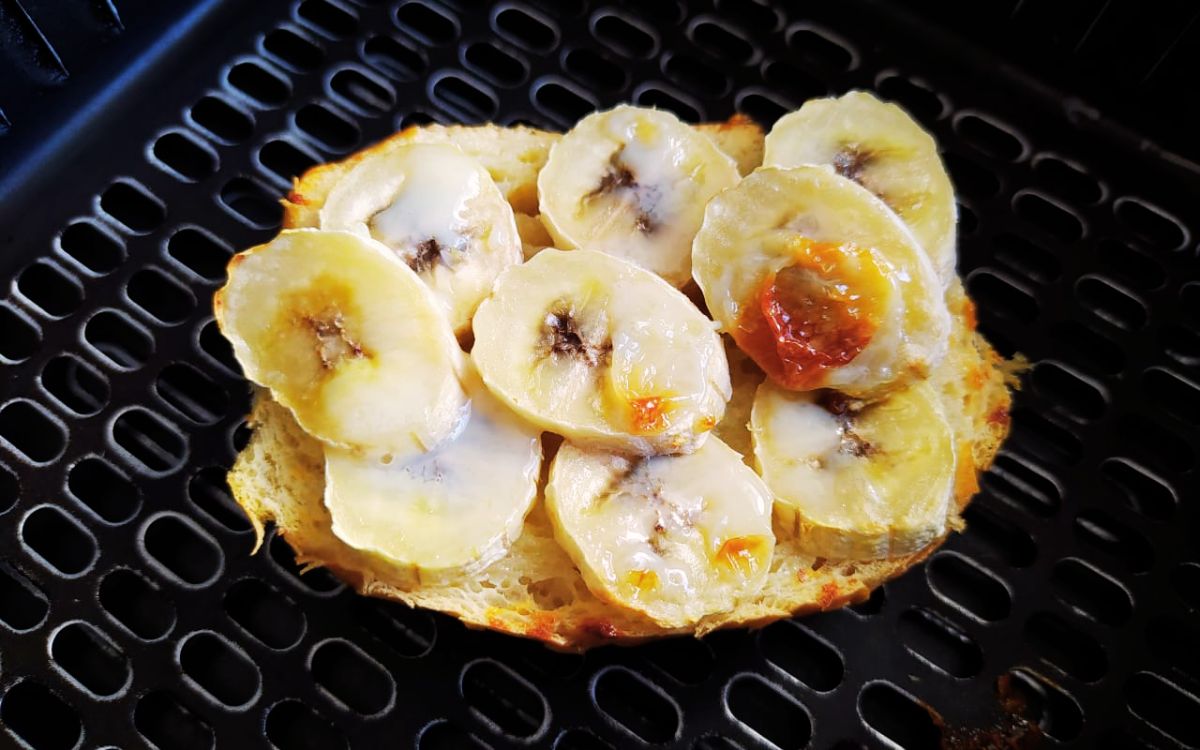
[[562, 336], [425, 255], [334, 344], [619, 178], [851, 161], [846, 409]]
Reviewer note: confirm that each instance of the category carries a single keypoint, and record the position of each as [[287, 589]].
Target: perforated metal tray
[[132, 613]]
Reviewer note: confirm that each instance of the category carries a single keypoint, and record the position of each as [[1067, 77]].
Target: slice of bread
[[535, 591]]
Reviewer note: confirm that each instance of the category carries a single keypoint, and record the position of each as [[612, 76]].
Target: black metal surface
[[132, 614]]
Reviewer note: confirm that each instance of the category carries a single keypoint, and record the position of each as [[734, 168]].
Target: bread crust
[[535, 591]]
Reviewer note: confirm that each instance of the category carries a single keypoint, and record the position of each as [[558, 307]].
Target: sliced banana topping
[[602, 352], [440, 212], [673, 537], [633, 182], [856, 481], [820, 283], [447, 512], [347, 337], [879, 146]]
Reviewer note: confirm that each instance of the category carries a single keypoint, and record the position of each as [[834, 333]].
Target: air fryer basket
[[144, 151]]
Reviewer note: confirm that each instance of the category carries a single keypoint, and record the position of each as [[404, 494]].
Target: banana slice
[[855, 481], [744, 377], [672, 537], [820, 283], [879, 146], [441, 213], [632, 183], [347, 337], [445, 513], [602, 352]]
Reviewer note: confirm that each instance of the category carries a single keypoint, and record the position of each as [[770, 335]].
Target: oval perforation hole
[[768, 713], [989, 136], [503, 699], [623, 35], [1175, 394], [1090, 349], [1142, 489], [199, 252], [717, 40], [221, 120], [30, 431], [135, 603], [360, 92], [1040, 436], [1001, 297], [1151, 222], [754, 14], [209, 491], [48, 287], [1022, 485], [291, 725], [21, 336], [444, 735], [426, 23], [527, 29], [556, 665], [329, 130], [796, 82], [294, 50], [802, 654], [872, 605], [259, 84], [59, 541], [75, 384], [1181, 343], [762, 107], [1091, 592], [104, 490], [468, 98], [219, 669], [940, 643], [494, 64], [1055, 712], [1066, 647], [181, 549], [406, 631], [635, 705], [1185, 578], [562, 102], [325, 17], [125, 344], [393, 58], [184, 157], [166, 723], [594, 70], [970, 587], [352, 678], [914, 95], [252, 203], [1106, 534], [191, 393], [1173, 641], [133, 206], [1165, 706], [284, 159], [39, 718], [23, 606], [651, 95], [1111, 303], [1051, 217], [1026, 258], [1154, 444], [689, 72], [163, 298], [1127, 263], [820, 49], [970, 177], [897, 716], [154, 444], [10, 489], [90, 658], [686, 660], [1071, 391], [317, 580], [580, 739], [1003, 539], [265, 614], [92, 247], [1066, 179]]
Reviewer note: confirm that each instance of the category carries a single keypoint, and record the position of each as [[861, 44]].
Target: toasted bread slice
[[535, 591]]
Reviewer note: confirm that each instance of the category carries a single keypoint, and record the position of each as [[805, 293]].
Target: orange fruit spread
[[815, 314], [741, 554]]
